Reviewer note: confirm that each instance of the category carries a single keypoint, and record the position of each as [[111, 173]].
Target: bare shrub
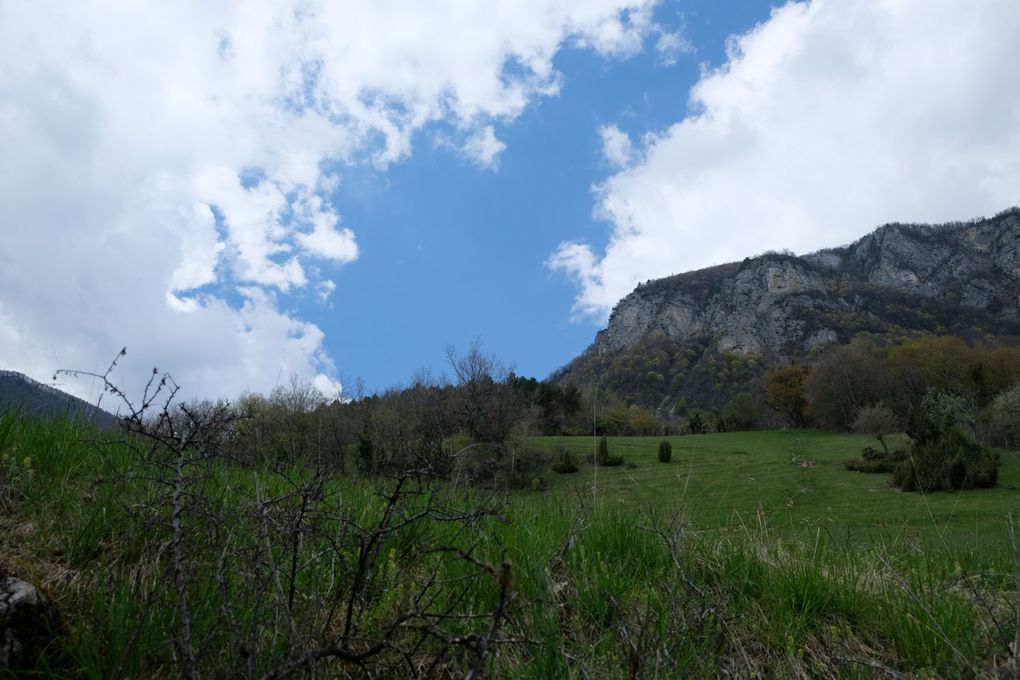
[[277, 570]]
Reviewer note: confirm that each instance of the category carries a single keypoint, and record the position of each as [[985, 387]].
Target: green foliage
[[366, 449], [877, 462], [697, 421], [950, 462], [941, 455], [813, 590], [948, 364], [660, 371], [604, 458], [621, 419], [565, 463], [786, 393], [500, 467], [665, 451], [553, 407], [1004, 418], [743, 412], [843, 381]]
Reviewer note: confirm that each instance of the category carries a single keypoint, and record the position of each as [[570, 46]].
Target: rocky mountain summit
[[777, 303], [902, 279]]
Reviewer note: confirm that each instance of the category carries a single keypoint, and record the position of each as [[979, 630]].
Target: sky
[[249, 193]]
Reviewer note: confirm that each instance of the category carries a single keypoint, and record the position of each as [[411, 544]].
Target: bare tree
[[877, 420], [844, 380], [486, 403]]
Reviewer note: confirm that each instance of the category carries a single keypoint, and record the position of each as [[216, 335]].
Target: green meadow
[[796, 482], [753, 554]]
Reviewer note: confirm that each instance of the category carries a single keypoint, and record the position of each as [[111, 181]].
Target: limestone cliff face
[[898, 277]]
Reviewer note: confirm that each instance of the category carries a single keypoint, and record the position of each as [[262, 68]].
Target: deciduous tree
[[786, 393]]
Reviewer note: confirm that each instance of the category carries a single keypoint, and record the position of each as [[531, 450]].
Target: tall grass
[[642, 588]]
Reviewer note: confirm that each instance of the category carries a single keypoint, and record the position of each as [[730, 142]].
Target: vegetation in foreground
[[747, 554]]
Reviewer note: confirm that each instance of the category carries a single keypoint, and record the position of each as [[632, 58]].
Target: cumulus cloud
[[827, 120], [167, 168]]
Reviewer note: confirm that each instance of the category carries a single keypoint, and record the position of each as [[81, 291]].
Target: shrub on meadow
[[942, 456], [565, 463], [875, 461], [606, 459], [665, 451]]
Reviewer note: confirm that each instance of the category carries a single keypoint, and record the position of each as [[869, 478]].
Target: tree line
[[982, 379], [475, 425], [469, 426]]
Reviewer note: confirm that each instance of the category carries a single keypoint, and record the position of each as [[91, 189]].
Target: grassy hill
[[748, 555]]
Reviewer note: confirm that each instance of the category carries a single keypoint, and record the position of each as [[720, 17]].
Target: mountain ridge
[[960, 278], [32, 397]]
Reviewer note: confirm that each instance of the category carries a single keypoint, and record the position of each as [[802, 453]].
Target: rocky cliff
[[902, 279]]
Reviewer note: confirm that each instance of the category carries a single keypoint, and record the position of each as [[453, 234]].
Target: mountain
[[701, 337], [34, 398]]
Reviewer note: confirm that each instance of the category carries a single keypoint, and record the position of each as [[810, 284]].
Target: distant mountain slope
[[900, 280], [32, 397]]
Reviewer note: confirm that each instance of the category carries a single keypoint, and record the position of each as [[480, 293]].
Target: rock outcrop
[[24, 623], [704, 336], [783, 304]]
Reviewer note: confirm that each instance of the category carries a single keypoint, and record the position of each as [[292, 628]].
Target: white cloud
[[620, 37], [166, 167], [323, 290], [325, 241], [484, 148], [670, 45], [616, 146], [828, 120], [200, 250]]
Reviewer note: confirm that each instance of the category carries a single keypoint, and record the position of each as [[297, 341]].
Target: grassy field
[[749, 555], [798, 483]]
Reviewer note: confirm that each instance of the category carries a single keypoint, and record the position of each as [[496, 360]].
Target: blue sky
[[332, 190], [451, 252]]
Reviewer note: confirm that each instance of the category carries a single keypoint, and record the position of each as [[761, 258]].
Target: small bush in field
[[565, 464], [612, 461], [878, 462], [949, 461], [605, 459], [665, 451]]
